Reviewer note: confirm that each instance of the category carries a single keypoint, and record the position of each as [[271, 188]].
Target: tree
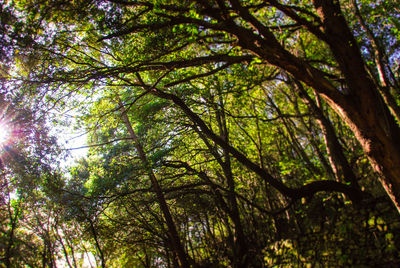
[[243, 107], [226, 33], [27, 170]]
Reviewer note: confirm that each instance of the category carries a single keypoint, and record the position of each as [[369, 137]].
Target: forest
[[218, 133]]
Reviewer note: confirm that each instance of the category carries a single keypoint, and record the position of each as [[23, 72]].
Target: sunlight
[[4, 133]]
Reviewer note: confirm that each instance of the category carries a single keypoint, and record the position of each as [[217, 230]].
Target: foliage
[[220, 133]]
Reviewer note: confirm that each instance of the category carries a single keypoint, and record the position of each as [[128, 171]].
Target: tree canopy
[[221, 133]]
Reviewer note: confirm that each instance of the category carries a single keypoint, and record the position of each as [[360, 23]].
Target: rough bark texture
[[364, 109]]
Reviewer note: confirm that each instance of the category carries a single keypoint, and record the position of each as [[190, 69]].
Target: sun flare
[[4, 133]]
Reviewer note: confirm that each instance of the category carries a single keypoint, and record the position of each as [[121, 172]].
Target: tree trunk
[[173, 235], [363, 108], [10, 242], [380, 60], [240, 243], [97, 243], [359, 105], [379, 135], [340, 166]]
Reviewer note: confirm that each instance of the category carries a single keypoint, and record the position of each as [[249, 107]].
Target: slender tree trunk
[[173, 235], [337, 159], [10, 244], [339, 163], [70, 245], [59, 238], [97, 243], [294, 142], [240, 244]]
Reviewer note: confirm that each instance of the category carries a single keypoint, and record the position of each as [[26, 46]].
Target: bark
[[173, 235], [239, 242], [360, 105], [363, 109], [380, 59], [314, 141], [71, 247], [60, 240], [337, 159]]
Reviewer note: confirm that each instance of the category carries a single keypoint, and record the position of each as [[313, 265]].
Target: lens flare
[[4, 133]]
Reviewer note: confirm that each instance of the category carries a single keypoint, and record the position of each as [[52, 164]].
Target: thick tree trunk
[[379, 135], [360, 105], [363, 108], [380, 59]]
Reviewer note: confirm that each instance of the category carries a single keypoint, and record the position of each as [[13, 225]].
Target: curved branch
[[294, 193]]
